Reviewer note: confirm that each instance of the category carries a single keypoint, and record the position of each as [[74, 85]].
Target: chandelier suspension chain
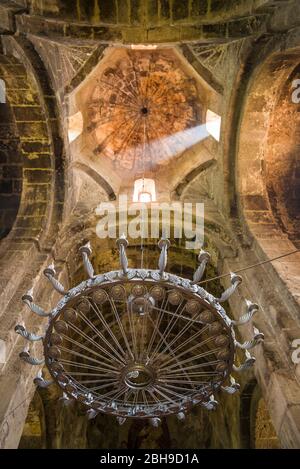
[[143, 187]]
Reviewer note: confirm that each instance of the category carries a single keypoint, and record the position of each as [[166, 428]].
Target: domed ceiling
[[137, 108]]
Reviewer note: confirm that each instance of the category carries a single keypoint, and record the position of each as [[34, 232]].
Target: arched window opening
[[213, 124], [144, 190], [11, 168]]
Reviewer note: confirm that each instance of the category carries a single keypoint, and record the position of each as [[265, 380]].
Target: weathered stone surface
[[238, 59], [138, 100]]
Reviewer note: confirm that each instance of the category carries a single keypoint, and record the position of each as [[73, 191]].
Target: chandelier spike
[[50, 273], [41, 382], [181, 416], [122, 244], [233, 388], [163, 245], [28, 300], [86, 251], [25, 356], [252, 308], [211, 404], [203, 259], [121, 420], [235, 282], [155, 422], [66, 400], [248, 363], [92, 413], [258, 338], [21, 330]]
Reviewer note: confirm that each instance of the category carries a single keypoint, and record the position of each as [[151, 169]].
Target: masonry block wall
[[145, 20], [148, 12], [49, 48]]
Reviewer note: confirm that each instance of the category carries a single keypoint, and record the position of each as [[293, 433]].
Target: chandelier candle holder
[[140, 343]]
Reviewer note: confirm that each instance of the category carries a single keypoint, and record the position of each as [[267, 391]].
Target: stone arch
[[32, 104], [245, 413], [270, 158], [11, 166], [262, 88], [267, 162], [25, 250], [97, 178], [257, 429], [264, 432]]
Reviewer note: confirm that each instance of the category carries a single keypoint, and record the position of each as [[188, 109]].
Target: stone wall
[[142, 20], [240, 59], [147, 12]]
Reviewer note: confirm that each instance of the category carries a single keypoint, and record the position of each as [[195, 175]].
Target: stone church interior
[[124, 342]]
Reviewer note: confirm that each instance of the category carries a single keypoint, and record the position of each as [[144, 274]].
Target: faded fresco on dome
[[138, 109]]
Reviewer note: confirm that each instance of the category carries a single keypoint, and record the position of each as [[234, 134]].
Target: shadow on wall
[[34, 432], [10, 169], [257, 430]]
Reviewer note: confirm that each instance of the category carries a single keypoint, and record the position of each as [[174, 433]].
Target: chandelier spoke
[[156, 325], [194, 374], [182, 381], [186, 342], [195, 357], [119, 358], [169, 399], [80, 345], [177, 337], [167, 331], [132, 330], [113, 306], [108, 329], [113, 394], [86, 357], [102, 386], [142, 341], [178, 316], [169, 349], [93, 381], [201, 365]]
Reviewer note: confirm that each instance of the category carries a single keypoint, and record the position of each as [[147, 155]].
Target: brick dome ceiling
[[137, 109]]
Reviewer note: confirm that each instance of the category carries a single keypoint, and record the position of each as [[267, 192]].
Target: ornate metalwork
[[235, 281], [203, 258], [50, 273], [20, 329], [141, 343], [28, 300], [252, 308], [40, 381], [86, 251], [25, 356]]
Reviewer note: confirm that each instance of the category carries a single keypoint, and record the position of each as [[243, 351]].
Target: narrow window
[[213, 124], [144, 190]]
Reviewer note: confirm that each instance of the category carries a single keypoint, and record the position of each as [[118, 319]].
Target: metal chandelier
[[140, 343]]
